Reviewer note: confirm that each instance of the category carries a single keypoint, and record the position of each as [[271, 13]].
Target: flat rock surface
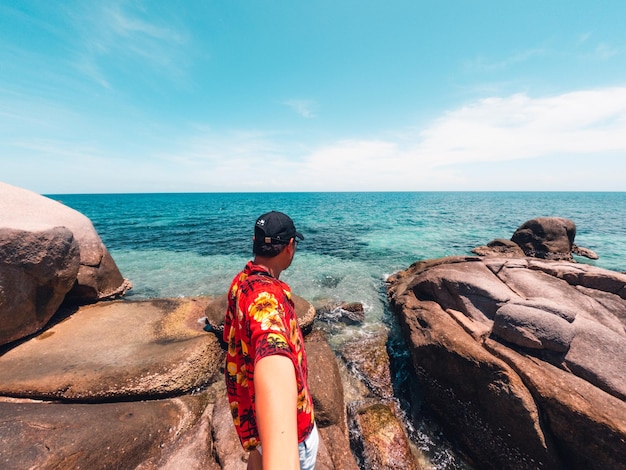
[[115, 350], [91, 436]]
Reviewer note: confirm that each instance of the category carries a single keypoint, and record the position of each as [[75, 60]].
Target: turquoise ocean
[[180, 245]]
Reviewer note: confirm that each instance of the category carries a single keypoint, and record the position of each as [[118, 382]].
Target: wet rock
[[383, 440], [37, 270], [116, 350], [98, 277], [107, 435], [351, 313], [498, 344], [368, 358]]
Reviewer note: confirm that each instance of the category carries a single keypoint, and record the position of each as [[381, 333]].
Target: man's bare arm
[[276, 412]]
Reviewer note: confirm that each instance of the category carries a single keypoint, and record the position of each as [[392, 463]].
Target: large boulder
[[546, 237], [116, 350], [49, 254], [37, 270], [105, 435], [542, 237], [98, 276], [500, 344]]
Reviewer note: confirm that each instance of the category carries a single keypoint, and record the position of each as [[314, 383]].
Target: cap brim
[[299, 235]]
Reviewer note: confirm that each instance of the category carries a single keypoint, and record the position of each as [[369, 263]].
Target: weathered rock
[[598, 355], [368, 358], [530, 327], [501, 248], [586, 252], [116, 350], [98, 277], [191, 448], [325, 382], [543, 237], [337, 443], [542, 379], [348, 313], [546, 237], [37, 269], [587, 425], [384, 442], [228, 449], [463, 284], [216, 310], [106, 435]]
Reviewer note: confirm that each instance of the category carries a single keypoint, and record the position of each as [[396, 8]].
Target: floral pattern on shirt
[[261, 321]]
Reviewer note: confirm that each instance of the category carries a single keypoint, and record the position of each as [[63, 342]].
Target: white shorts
[[307, 450]]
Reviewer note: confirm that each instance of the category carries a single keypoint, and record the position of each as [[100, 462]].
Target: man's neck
[[270, 264]]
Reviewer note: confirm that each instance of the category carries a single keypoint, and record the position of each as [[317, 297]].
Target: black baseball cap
[[274, 227]]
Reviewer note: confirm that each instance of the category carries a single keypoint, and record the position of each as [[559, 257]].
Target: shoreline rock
[[498, 344]]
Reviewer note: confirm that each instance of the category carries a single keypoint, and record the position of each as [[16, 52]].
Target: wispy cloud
[[127, 33], [583, 38], [483, 64], [606, 51], [305, 108]]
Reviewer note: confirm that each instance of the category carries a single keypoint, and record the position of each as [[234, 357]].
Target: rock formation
[[139, 385], [49, 253], [522, 358], [543, 237]]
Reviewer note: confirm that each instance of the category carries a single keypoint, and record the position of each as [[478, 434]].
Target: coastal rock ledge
[[522, 359]]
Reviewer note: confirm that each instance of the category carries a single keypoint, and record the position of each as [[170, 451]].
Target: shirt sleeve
[[269, 333]]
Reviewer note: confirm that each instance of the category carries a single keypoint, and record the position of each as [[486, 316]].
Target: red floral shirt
[[261, 321]]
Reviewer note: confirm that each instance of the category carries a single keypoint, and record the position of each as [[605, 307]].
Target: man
[[266, 366]]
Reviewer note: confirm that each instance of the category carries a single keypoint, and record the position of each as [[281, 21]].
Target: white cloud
[[482, 145], [518, 126], [495, 130], [305, 108], [572, 141]]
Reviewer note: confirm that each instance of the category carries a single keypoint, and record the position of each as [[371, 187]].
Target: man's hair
[[268, 250]]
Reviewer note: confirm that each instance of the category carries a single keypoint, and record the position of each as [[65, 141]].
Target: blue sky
[[245, 95]]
